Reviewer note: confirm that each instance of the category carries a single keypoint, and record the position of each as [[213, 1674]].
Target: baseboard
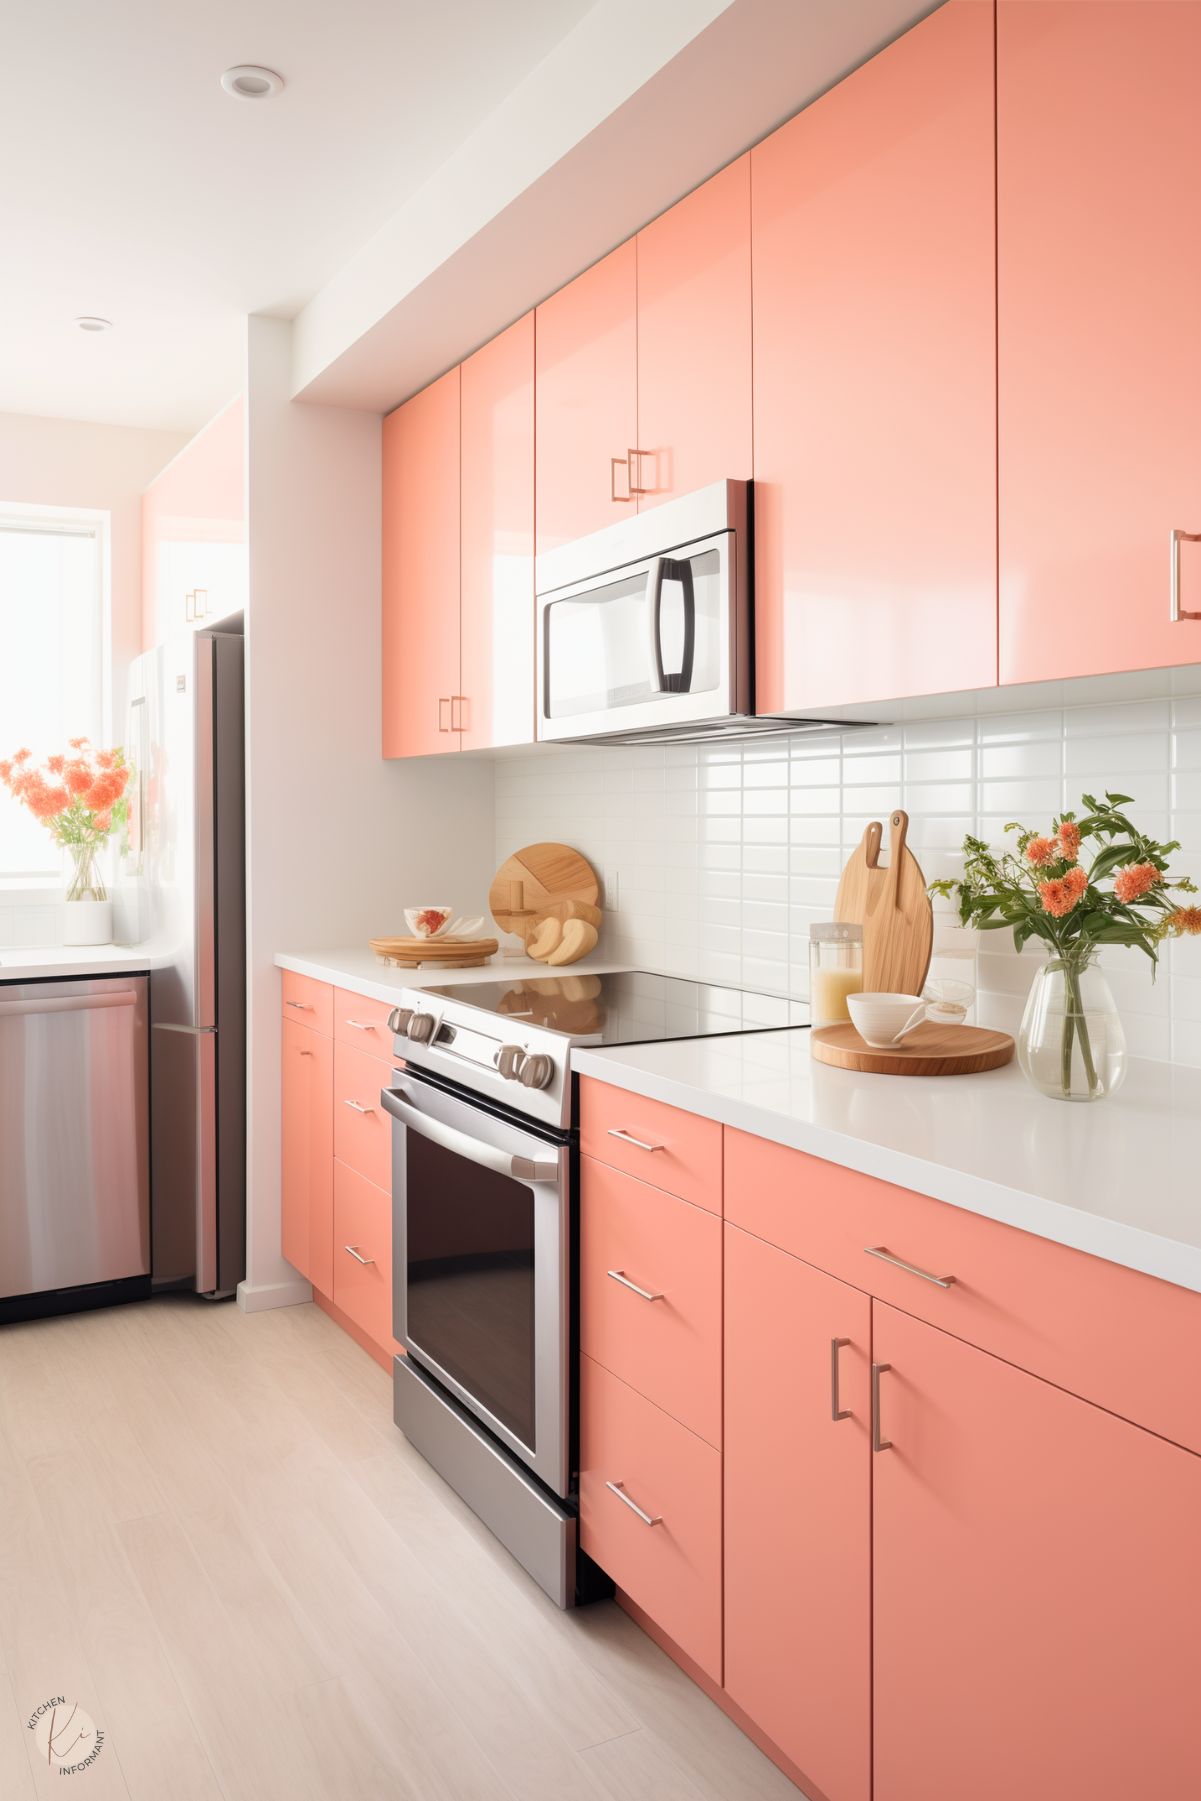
[[719, 1696], [257, 1297], [382, 1357]]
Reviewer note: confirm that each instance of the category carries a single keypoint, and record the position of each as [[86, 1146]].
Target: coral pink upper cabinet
[[1037, 1570], [496, 705], [694, 340], [587, 400], [420, 639], [872, 234], [798, 1511], [307, 1153], [1099, 269]]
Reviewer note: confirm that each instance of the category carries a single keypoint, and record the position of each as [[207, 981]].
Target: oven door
[[480, 1247]]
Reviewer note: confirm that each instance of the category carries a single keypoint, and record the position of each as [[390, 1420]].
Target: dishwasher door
[[74, 1189]]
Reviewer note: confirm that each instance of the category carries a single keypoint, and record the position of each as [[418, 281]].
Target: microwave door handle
[[673, 569], [462, 1144]]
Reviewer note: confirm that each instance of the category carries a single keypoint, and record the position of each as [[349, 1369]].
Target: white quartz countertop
[[75, 960], [1117, 1178]]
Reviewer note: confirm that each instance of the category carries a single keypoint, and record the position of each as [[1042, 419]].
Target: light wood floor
[[214, 1539]]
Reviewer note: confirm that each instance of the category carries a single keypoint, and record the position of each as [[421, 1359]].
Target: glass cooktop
[[630, 1006]]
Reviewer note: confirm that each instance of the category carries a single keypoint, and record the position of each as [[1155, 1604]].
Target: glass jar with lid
[[835, 970]]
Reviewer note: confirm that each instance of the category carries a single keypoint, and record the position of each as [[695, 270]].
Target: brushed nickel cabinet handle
[[201, 599], [361, 1025], [878, 1443], [648, 1519], [619, 1275], [351, 1251], [629, 1138], [189, 608], [616, 463], [306, 1053], [301, 1006], [358, 1107], [1176, 612], [458, 720], [910, 1269], [836, 1411], [443, 701], [634, 458]]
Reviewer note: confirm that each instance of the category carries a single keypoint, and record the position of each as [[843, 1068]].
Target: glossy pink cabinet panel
[[798, 1511], [587, 399], [362, 1130], [1037, 1577], [1099, 261], [307, 1153], [872, 232], [659, 1144], [363, 1282], [694, 340], [420, 640], [497, 528], [637, 1242]]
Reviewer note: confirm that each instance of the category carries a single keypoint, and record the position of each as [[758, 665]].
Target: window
[[51, 658]]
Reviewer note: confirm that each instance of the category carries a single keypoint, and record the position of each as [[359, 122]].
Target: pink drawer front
[[362, 1130], [637, 1242], [307, 1002], [675, 1150], [637, 1465], [363, 1254], [1121, 1339], [362, 1023]]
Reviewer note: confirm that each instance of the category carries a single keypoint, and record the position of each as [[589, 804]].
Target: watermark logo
[[68, 1740]]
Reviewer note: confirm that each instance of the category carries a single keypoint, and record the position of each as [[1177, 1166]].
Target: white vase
[[87, 922]]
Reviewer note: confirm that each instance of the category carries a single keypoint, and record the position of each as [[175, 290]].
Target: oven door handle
[[462, 1144]]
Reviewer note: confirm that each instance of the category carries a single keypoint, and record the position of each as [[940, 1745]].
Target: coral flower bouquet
[[81, 797], [1093, 879]]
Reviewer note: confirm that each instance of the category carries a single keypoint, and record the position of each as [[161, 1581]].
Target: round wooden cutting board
[[930, 1050], [450, 953], [537, 878]]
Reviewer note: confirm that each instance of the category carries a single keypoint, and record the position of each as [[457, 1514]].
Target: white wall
[[716, 859], [338, 841]]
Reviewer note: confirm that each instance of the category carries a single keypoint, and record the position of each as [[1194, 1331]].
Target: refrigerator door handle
[[192, 1031]]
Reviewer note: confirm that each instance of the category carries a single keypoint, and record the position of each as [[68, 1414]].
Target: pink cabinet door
[[798, 1512], [307, 1153], [496, 705], [873, 266], [587, 400], [1037, 1571], [1099, 268], [694, 340], [420, 638], [362, 1255]]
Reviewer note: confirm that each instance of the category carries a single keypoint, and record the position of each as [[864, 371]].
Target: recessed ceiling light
[[250, 82], [93, 322]]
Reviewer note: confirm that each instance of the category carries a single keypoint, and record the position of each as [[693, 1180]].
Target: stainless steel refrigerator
[[182, 893]]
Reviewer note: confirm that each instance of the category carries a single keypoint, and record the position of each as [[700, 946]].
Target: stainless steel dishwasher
[[74, 1153]]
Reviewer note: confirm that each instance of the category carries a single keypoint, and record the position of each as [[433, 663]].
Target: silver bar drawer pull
[[361, 1025], [301, 1006], [837, 1412], [648, 1519], [639, 1144], [358, 1107], [352, 1251], [878, 1443], [910, 1269], [619, 1275], [1176, 612]]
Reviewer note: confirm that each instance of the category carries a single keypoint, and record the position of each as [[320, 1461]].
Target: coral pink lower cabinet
[[1037, 1580], [920, 1568], [307, 1153]]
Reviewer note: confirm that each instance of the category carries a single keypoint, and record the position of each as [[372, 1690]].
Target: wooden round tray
[[930, 1050], [450, 953]]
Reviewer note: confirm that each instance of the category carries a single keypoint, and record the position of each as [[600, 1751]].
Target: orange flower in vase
[[82, 802]]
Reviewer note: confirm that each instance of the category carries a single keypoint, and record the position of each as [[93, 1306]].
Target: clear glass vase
[[87, 883], [1071, 1045]]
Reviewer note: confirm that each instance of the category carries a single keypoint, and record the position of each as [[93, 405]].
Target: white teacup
[[882, 1020]]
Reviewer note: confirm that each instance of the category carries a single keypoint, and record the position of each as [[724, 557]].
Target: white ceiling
[[135, 188]]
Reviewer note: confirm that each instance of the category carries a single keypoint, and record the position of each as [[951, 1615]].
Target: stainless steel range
[[483, 1197]]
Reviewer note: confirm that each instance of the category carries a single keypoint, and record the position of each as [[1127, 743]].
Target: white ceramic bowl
[[883, 1020], [428, 922]]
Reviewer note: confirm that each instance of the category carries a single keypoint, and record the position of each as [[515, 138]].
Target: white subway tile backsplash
[[717, 859]]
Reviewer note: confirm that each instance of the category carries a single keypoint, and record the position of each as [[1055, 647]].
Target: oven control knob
[[537, 1071], [509, 1059], [398, 1020], [421, 1027]]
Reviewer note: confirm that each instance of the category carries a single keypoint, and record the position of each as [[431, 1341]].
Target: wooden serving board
[[448, 953], [892, 906], [541, 877], [929, 1050]]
